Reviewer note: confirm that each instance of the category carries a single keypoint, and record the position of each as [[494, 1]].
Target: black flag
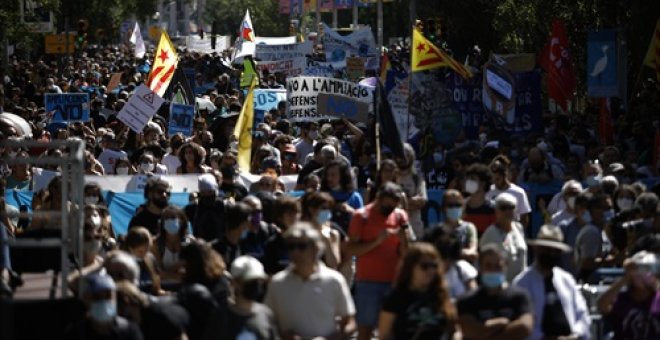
[[389, 133], [179, 90]]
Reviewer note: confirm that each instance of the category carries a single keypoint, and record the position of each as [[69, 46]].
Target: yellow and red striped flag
[[652, 58], [162, 69], [426, 56]]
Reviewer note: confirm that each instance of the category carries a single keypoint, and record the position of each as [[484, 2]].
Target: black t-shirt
[[226, 249], [208, 222], [417, 315], [511, 303], [146, 219], [121, 329], [310, 167], [254, 243], [235, 190], [276, 256], [257, 324]]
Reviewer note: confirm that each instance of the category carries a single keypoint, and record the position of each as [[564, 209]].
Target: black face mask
[[206, 201], [160, 203], [386, 211], [254, 290], [548, 260]]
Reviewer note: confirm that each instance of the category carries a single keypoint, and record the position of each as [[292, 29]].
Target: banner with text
[[271, 52], [67, 107], [181, 119], [360, 43], [397, 88], [291, 67], [467, 99], [431, 105], [303, 93], [139, 109], [196, 44], [264, 101]]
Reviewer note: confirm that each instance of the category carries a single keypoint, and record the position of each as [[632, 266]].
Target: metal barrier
[[70, 240]]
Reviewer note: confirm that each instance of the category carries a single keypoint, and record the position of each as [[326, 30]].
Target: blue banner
[[528, 113], [602, 68], [264, 101], [181, 119], [67, 107], [467, 99]]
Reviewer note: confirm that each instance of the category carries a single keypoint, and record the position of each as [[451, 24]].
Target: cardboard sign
[[397, 89], [67, 107], [275, 40], [139, 109], [343, 107], [267, 52], [303, 92], [291, 67], [181, 119], [114, 81], [354, 68], [57, 44]]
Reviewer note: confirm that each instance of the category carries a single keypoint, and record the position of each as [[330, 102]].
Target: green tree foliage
[[228, 15]]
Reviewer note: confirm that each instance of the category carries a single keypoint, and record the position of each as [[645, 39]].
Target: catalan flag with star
[[426, 56], [164, 64]]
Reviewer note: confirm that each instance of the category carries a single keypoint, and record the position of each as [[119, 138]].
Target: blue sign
[[467, 99], [528, 116], [264, 101], [68, 107], [181, 119], [602, 78]]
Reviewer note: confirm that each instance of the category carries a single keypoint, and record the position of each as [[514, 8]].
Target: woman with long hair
[[316, 210], [191, 156], [337, 180], [387, 173], [172, 237], [419, 306]]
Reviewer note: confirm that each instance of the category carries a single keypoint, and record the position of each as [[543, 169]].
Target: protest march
[[207, 182]]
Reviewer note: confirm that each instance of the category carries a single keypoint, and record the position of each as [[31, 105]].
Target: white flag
[[136, 39], [245, 42]]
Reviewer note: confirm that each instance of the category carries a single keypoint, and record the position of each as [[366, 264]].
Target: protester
[[237, 225], [287, 212], [157, 193], [559, 306], [207, 215], [337, 180], [414, 187], [495, 310], [253, 242], [172, 237], [478, 209], [139, 243], [293, 293], [452, 207], [499, 167]]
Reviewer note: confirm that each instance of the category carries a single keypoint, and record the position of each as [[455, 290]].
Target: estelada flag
[[426, 56], [247, 32], [556, 61], [652, 58], [243, 130], [164, 64]]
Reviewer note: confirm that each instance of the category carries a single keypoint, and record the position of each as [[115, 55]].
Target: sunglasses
[[429, 265], [161, 191], [301, 246], [506, 207]]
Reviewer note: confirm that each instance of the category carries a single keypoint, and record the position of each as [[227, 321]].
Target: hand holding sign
[[181, 119]]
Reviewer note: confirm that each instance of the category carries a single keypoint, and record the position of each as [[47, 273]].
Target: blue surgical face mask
[[438, 157], [323, 216], [492, 280], [608, 215], [171, 226], [244, 234], [586, 217], [593, 181], [103, 311], [454, 214]]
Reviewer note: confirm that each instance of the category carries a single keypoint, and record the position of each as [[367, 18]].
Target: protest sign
[[139, 109], [354, 68], [525, 114], [343, 107], [264, 101], [303, 92], [397, 90], [320, 69], [602, 67], [467, 100], [360, 43], [36, 15], [181, 119], [196, 44], [291, 67], [57, 43], [275, 40], [269, 52], [68, 107], [114, 82]]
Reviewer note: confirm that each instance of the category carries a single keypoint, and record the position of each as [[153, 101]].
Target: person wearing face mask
[[305, 144], [438, 170], [157, 194], [101, 321], [499, 168], [123, 167], [572, 227], [316, 210], [207, 215], [593, 174], [93, 194], [466, 232], [246, 316], [588, 250], [254, 241], [378, 234], [111, 153], [624, 197], [478, 209], [238, 221], [147, 165], [173, 236], [495, 310], [631, 303], [560, 310], [569, 191], [414, 186]]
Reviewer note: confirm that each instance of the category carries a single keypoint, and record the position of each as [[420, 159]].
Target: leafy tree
[[228, 15]]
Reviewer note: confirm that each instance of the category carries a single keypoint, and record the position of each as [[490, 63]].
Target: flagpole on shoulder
[[377, 125]]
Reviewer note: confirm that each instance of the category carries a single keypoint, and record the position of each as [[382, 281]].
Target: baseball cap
[[246, 268], [505, 199]]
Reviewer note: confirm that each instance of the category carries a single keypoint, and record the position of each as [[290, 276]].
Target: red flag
[[556, 61], [605, 122]]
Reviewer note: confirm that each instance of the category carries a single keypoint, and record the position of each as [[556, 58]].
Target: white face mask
[[91, 200], [122, 170], [147, 167], [12, 154], [624, 203], [570, 202], [471, 186]]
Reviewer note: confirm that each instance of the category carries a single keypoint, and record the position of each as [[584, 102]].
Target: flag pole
[[377, 125]]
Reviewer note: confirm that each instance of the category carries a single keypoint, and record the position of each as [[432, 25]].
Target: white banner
[[266, 52], [291, 67], [275, 40], [302, 95], [139, 109], [360, 43], [196, 44]]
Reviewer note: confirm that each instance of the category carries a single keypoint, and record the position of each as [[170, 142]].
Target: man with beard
[[157, 193], [208, 215]]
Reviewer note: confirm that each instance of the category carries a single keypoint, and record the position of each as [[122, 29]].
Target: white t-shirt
[[108, 157], [172, 163], [522, 205], [303, 148], [512, 243], [457, 276]]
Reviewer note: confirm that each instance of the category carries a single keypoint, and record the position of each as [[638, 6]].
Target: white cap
[[207, 182], [246, 268], [505, 198]]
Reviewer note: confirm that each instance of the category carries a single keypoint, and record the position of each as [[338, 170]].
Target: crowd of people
[[349, 253]]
